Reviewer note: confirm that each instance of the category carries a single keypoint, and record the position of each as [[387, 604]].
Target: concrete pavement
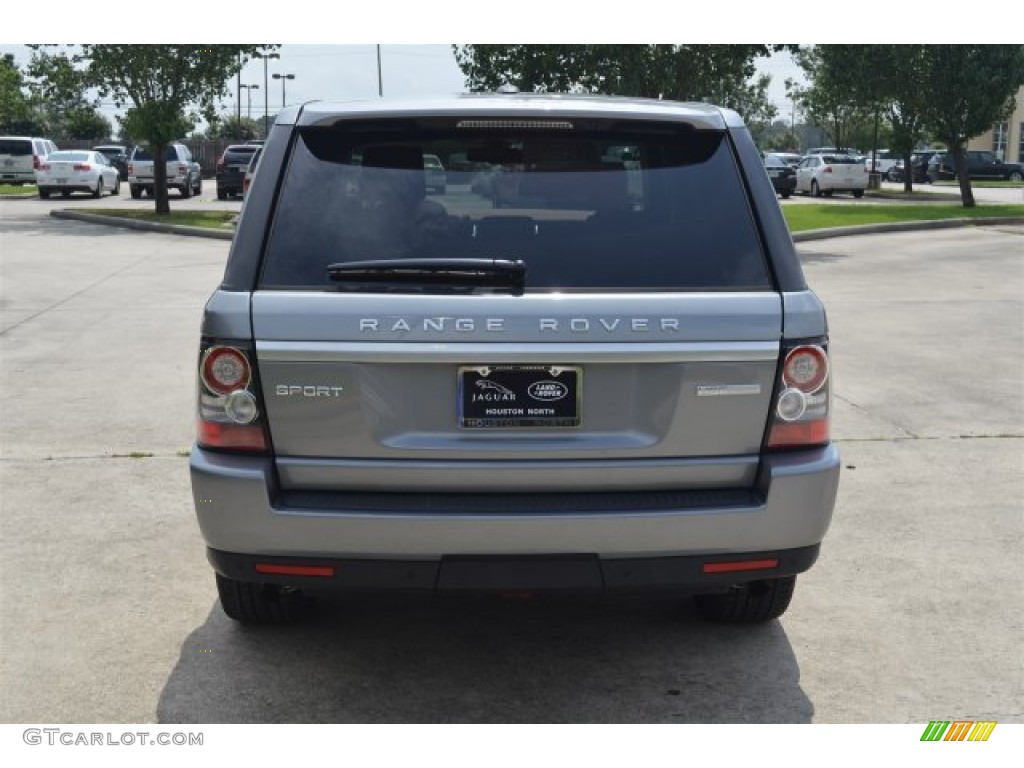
[[913, 613]]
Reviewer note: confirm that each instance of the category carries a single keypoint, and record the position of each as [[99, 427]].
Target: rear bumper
[[568, 573], [240, 511]]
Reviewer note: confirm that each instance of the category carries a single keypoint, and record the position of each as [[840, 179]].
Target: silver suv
[[585, 375], [183, 172]]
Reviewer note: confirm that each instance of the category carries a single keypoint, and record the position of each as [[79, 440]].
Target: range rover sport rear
[[591, 363]]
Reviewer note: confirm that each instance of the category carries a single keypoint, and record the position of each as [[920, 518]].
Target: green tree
[[832, 99], [16, 113], [969, 87], [86, 124], [721, 74], [60, 96], [230, 127], [165, 88]]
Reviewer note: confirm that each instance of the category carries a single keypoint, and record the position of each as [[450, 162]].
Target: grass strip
[[802, 218], [18, 189], [207, 219]]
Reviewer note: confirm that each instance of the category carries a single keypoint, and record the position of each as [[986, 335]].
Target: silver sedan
[[77, 170]]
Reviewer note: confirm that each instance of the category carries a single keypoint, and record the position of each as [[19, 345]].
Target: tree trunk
[[960, 163], [163, 206]]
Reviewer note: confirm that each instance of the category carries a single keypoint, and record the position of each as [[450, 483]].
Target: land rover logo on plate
[[519, 396], [547, 391]]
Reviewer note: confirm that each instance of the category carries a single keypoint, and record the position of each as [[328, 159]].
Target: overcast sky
[[346, 72]]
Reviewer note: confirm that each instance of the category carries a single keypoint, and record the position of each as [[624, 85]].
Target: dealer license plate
[[519, 396]]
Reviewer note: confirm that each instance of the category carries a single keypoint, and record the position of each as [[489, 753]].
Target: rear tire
[[44, 194], [256, 603], [749, 603], [98, 192], [116, 191], [136, 192], [785, 195], [186, 191], [815, 189], [858, 193]]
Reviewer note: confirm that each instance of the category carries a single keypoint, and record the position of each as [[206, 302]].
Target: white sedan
[[819, 175], [77, 170]]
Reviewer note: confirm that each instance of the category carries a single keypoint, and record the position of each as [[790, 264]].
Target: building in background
[[1006, 139]]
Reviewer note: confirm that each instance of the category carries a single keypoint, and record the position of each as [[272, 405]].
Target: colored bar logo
[[958, 730]]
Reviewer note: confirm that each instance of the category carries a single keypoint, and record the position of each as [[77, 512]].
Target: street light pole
[[282, 78], [248, 95], [380, 79], [266, 89]]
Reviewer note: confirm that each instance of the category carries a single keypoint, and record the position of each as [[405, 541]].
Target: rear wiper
[[492, 273]]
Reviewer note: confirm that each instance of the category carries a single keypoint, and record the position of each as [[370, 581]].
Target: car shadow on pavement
[[404, 660]]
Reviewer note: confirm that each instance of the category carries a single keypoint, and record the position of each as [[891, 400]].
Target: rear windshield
[[239, 156], [840, 159], [15, 147], [170, 155], [68, 156], [633, 209]]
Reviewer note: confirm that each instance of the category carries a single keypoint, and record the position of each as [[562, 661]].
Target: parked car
[[820, 175], [77, 170], [883, 162], [183, 172], [782, 174], [584, 390], [118, 157], [791, 159], [981, 164], [836, 151], [21, 156], [919, 162], [250, 171], [231, 167], [436, 179]]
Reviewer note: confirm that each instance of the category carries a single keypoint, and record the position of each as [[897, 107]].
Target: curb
[[798, 237], [903, 226], [25, 196], [145, 226]]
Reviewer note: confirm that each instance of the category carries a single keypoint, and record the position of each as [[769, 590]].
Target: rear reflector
[[326, 571], [741, 565], [213, 434], [799, 433]]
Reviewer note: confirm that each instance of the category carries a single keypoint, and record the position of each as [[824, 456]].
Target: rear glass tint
[[142, 155], [57, 157], [16, 147], [239, 156], [649, 209]]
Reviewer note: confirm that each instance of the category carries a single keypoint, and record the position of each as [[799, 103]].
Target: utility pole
[[380, 79]]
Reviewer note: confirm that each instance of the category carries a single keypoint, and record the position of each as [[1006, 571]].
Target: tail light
[[131, 168], [800, 414], [182, 170], [245, 185], [230, 405], [35, 162], [43, 167], [82, 167], [827, 169], [222, 161]]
